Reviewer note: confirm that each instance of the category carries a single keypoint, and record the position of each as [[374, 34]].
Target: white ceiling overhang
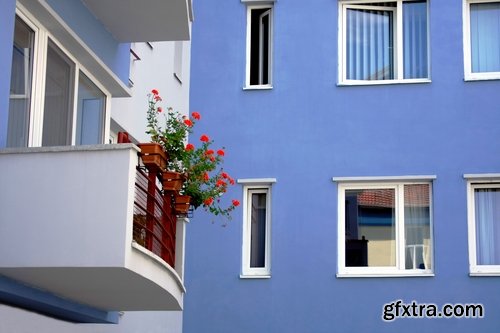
[[145, 20]]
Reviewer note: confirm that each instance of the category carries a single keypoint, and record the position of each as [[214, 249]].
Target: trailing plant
[[206, 182]]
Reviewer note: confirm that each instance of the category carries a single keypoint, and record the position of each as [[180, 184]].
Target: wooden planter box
[[153, 156], [182, 203], [172, 181]]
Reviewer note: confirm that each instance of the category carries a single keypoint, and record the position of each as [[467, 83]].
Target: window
[[20, 84], [71, 108], [384, 228], [383, 42], [484, 226], [59, 81], [256, 260], [91, 109], [259, 47], [481, 39]]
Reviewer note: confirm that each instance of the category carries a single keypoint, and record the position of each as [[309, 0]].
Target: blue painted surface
[[307, 130], [114, 54], [32, 299], [7, 10]]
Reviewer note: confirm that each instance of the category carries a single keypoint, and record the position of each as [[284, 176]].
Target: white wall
[[154, 70]]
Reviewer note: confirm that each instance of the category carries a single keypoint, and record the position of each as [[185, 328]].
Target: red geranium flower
[[160, 109], [188, 122], [154, 92], [224, 175], [189, 147], [206, 177], [220, 182], [220, 152], [236, 203], [209, 152], [158, 98], [196, 115], [231, 181], [208, 201], [204, 138]]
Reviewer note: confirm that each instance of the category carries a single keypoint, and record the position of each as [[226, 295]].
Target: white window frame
[[252, 186], [396, 183], [473, 182], [398, 43], [261, 5], [468, 74], [36, 114]]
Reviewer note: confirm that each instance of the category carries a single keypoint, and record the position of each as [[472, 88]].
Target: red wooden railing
[[154, 218]]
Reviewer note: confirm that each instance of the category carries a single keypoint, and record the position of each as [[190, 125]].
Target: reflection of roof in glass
[[416, 195], [376, 198]]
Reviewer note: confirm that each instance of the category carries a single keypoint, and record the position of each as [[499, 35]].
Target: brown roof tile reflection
[[415, 195]]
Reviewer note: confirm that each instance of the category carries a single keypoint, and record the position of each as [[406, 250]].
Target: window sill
[[479, 274], [242, 276], [383, 275], [380, 82], [489, 270], [482, 77], [266, 87]]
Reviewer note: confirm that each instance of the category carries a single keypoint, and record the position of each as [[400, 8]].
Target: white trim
[[251, 5], [398, 43], [384, 178], [255, 276], [258, 87], [378, 82], [397, 184], [475, 181], [468, 74], [397, 274], [256, 181], [483, 177], [258, 1], [246, 270]]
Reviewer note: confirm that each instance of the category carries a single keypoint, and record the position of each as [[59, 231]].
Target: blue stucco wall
[[114, 54], [307, 130]]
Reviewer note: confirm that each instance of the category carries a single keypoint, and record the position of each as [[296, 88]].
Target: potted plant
[[205, 181], [153, 156], [172, 181], [182, 203]]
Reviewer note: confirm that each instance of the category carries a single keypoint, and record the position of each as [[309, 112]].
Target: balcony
[[67, 227]]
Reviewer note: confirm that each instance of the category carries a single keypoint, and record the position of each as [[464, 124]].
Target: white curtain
[[370, 42], [487, 217], [485, 37], [369, 38], [415, 39], [417, 226]]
